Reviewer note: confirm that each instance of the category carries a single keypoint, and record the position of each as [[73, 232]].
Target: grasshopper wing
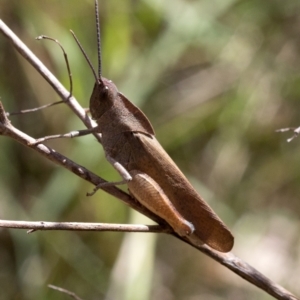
[[156, 163]]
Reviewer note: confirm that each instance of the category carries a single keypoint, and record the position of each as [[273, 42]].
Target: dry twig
[[80, 226], [69, 293], [296, 132]]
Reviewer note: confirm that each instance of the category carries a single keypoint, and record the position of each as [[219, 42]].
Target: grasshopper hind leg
[[148, 192]]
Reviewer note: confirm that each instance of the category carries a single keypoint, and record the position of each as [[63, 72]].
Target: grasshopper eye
[[108, 88], [105, 91], [108, 93]]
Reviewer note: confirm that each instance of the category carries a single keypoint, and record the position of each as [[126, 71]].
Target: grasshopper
[[153, 179]]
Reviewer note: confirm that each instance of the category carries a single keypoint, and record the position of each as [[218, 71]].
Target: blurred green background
[[216, 79]]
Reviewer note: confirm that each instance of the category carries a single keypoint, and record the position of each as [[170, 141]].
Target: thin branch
[[7, 129], [229, 260], [65, 57], [69, 293], [30, 110], [295, 130], [81, 226], [247, 272], [48, 76]]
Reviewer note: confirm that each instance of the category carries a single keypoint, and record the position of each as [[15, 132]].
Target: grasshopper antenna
[[98, 78], [98, 39], [85, 55]]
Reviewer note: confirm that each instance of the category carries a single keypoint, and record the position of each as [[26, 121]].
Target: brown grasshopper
[[152, 177]]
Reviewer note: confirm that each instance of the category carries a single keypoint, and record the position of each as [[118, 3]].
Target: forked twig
[[48, 76], [7, 129], [295, 130], [229, 260], [44, 37]]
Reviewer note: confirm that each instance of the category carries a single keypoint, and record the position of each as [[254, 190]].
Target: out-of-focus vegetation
[[216, 78]]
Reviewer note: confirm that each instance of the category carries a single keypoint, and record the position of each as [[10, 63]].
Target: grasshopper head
[[104, 94]]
